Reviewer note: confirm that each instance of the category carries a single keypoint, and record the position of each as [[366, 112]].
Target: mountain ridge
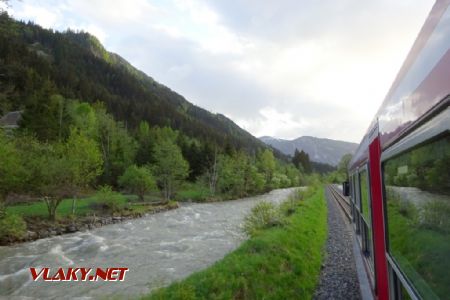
[[77, 66], [323, 150]]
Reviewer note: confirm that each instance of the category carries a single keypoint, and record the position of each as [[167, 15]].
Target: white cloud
[[272, 122], [47, 17]]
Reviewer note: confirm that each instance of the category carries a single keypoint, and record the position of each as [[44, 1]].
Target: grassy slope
[[279, 263]]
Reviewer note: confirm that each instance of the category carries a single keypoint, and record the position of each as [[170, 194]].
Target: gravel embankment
[[338, 278]]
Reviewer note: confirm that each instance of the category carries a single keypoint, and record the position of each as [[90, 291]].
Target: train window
[[417, 192], [366, 224], [365, 204], [398, 290], [357, 192], [351, 188], [353, 198], [356, 209]]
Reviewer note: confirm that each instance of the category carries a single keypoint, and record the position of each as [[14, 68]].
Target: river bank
[[39, 228], [158, 249], [94, 216], [280, 262]]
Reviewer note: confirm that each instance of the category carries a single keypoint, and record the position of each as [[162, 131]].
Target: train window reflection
[[364, 195], [417, 185]]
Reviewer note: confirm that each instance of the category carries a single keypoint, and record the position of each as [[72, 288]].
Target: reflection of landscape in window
[[364, 195], [418, 206]]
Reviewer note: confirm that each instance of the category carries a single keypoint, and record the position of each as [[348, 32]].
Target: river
[[157, 249]]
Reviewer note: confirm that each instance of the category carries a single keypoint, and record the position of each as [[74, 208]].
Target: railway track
[[343, 201]]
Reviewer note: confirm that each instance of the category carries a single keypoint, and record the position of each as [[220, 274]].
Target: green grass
[[279, 263], [194, 192], [39, 209], [84, 206]]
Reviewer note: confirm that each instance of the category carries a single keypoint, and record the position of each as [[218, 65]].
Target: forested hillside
[[93, 128], [37, 63]]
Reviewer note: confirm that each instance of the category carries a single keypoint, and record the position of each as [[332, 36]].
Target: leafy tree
[[83, 117], [84, 162], [118, 148], [164, 133], [343, 164], [138, 180], [294, 175], [10, 168], [234, 176], [56, 171], [110, 199], [341, 173], [254, 180], [170, 166], [280, 181], [49, 176], [267, 164]]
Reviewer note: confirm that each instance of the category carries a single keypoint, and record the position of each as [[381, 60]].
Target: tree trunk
[[2, 206], [53, 215], [52, 205], [74, 203], [167, 190], [61, 110], [213, 175]]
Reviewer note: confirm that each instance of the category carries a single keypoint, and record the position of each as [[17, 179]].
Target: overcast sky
[[282, 68]]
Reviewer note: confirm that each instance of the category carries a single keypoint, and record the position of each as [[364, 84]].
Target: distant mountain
[[319, 150]]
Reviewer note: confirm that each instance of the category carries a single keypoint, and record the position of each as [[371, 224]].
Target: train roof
[[422, 83]]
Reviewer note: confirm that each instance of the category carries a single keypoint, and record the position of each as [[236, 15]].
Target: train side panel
[[400, 174]]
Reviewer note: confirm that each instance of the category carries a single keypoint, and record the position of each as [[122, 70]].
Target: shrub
[[12, 227], [197, 192], [113, 201], [172, 204], [138, 180], [408, 210], [289, 206], [263, 215]]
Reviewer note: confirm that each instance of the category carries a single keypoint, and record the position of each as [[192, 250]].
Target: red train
[[400, 174]]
